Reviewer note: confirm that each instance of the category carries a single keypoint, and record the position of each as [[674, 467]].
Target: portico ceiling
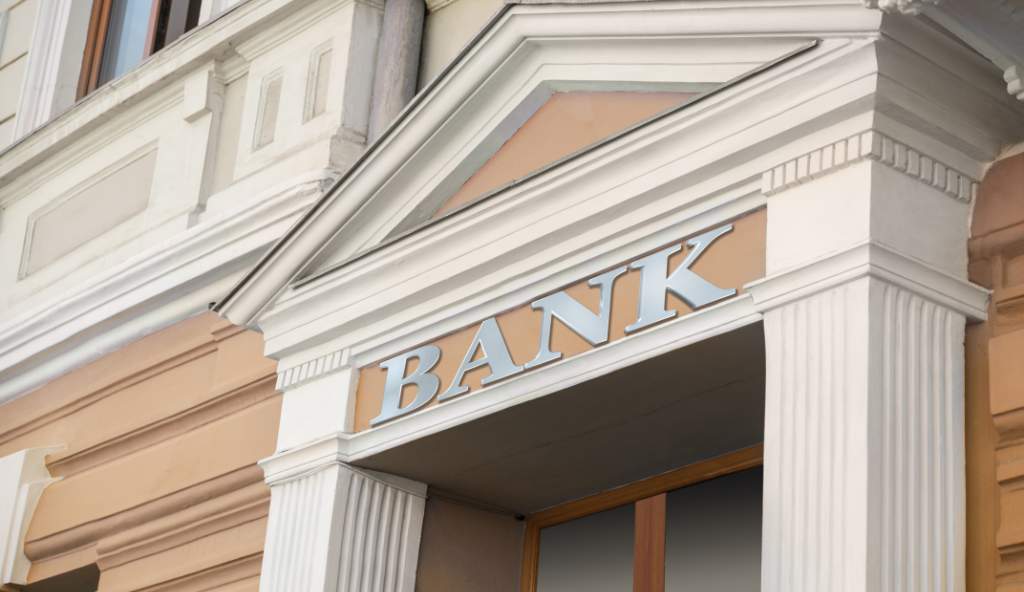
[[690, 404]]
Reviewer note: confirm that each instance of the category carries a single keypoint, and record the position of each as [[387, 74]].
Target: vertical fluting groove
[[919, 390], [839, 432], [398, 534], [888, 435], [824, 440], [405, 549], [789, 467], [340, 528], [814, 431], [803, 451], [774, 435], [352, 501], [899, 555], [359, 533], [929, 482], [914, 382], [380, 547]]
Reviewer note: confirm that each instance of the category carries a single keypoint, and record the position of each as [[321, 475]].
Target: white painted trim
[[42, 73], [4, 10], [876, 146], [294, 376], [204, 44], [23, 477], [670, 336], [213, 251], [874, 260], [523, 36], [994, 28], [336, 528]]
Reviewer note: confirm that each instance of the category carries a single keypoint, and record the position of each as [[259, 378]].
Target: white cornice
[[994, 28], [198, 261], [870, 259], [305, 460], [875, 146], [522, 34]]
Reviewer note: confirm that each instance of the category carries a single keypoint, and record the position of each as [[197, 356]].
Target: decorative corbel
[[23, 476]]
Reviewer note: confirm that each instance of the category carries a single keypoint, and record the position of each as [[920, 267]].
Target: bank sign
[[675, 280]]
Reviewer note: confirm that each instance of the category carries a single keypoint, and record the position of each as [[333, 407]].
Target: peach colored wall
[[733, 260], [467, 549], [159, 479], [567, 122], [995, 387]]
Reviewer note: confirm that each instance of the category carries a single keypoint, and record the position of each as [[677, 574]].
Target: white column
[[334, 527], [864, 315]]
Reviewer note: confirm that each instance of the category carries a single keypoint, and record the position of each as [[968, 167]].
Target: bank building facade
[[526, 296]]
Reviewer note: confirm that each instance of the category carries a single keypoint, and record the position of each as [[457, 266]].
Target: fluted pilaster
[[864, 465], [336, 528]]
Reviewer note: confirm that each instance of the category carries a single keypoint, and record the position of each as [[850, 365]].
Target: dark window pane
[[713, 535], [590, 554], [175, 18], [125, 45]]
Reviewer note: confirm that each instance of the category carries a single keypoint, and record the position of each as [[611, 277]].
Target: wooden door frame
[[649, 533]]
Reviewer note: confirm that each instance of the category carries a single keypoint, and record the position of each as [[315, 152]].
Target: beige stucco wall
[[15, 38], [995, 386], [566, 123], [159, 483], [465, 548]]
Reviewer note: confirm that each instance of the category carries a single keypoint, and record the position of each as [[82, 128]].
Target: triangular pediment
[[567, 123], [507, 111]]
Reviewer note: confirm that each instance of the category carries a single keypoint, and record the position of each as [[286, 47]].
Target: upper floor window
[[124, 32]]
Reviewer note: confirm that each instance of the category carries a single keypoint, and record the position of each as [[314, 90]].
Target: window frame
[[649, 497], [96, 38]]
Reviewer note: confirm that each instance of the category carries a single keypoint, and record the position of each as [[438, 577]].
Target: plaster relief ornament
[[913, 7]]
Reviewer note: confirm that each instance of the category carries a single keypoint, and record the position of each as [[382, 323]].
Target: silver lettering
[[579, 318], [655, 281], [491, 344], [396, 380]]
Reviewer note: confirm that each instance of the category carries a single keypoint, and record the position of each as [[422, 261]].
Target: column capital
[[870, 259], [323, 454]]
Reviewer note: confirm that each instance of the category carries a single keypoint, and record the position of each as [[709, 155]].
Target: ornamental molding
[[1014, 77], [40, 88], [875, 260], [23, 477], [912, 7], [307, 371], [874, 146]]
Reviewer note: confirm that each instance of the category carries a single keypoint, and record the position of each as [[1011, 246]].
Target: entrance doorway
[[693, 529]]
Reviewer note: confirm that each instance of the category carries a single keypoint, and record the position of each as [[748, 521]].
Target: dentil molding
[[875, 146], [302, 373]]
